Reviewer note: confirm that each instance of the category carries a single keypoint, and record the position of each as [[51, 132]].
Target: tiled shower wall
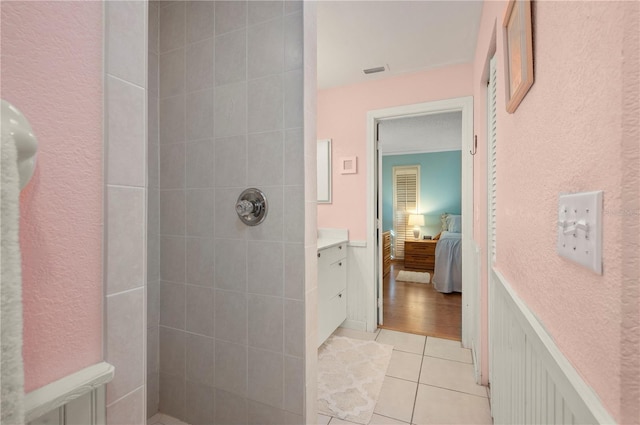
[[153, 214], [125, 208], [232, 312]]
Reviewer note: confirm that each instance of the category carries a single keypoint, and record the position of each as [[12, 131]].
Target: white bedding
[[447, 276]]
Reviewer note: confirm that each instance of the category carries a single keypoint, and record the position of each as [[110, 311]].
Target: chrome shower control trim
[[252, 206]]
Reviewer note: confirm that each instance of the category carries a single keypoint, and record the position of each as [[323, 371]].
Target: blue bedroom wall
[[440, 186]]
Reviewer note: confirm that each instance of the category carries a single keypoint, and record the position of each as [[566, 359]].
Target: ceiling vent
[[374, 70]]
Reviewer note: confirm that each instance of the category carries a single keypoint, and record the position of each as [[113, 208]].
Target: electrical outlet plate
[[580, 229]]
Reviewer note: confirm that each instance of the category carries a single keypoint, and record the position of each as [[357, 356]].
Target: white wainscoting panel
[[356, 286], [531, 380], [75, 399]]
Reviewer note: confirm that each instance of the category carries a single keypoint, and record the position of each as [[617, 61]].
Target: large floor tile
[[402, 341], [396, 399], [447, 349], [323, 419], [383, 420], [440, 406], [338, 421], [405, 365], [355, 334], [451, 375]]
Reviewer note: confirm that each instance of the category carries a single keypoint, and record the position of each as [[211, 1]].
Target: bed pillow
[[443, 220], [454, 223]]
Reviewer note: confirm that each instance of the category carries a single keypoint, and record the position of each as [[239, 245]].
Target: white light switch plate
[[580, 228]]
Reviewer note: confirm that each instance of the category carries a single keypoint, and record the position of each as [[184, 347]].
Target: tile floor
[[429, 381]]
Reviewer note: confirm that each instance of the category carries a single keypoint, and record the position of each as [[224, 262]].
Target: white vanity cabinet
[[332, 289]]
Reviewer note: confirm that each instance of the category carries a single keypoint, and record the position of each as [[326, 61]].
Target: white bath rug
[[350, 375], [419, 277]]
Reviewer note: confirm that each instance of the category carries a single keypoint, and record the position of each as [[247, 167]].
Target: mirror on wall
[[324, 171]]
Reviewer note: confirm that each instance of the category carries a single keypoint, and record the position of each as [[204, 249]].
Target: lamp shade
[[416, 220]]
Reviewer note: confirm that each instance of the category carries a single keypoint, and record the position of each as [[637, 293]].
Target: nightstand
[[420, 254]]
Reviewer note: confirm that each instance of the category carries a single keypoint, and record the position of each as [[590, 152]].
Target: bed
[[447, 276]]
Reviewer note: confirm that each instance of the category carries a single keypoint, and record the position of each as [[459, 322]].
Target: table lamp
[[416, 220]]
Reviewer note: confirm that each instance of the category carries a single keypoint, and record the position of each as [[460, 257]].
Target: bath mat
[[350, 375], [418, 277]]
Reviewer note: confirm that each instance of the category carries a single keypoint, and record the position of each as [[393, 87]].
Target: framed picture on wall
[[518, 38]]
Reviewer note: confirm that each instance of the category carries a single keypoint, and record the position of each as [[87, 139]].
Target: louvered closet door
[[491, 184], [405, 202]]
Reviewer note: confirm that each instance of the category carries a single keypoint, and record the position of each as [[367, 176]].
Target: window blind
[[405, 201]]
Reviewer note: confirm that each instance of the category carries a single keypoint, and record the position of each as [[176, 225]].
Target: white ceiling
[[424, 133], [404, 36]]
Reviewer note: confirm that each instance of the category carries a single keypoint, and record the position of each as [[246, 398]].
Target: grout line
[[415, 399], [449, 389]]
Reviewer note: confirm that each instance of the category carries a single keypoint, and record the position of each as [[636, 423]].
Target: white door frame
[[374, 250]]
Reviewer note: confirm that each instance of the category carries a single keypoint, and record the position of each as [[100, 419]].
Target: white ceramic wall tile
[[230, 16], [396, 399], [200, 212], [266, 377], [230, 110], [200, 160], [293, 42], [231, 367], [172, 215], [265, 49], [153, 303], [231, 58], [292, 6], [153, 394], [441, 406], [200, 310], [172, 120], [231, 409], [199, 119], [200, 65], [402, 341], [199, 407], [294, 214], [172, 305], [266, 156], [200, 359], [153, 347], [451, 375], [125, 343], [126, 49], [260, 11], [172, 395], [172, 26], [172, 352], [200, 261], [125, 239], [230, 318], [294, 328], [266, 268], [231, 161], [153, 166], [125, 133], [227, 223], [200, 20], [172, 166], [294, 271], [172, 73], [172, 261], [294, 157], [154, 78], [266, 322], [230, 270], [293, 98], [405, 365], [266, 100], [293, 384], [128, 410], [447, 349]]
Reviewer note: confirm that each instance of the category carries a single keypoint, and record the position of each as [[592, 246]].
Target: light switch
[[580, 228]]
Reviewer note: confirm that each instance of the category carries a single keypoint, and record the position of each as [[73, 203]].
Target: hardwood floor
[[420, 309]]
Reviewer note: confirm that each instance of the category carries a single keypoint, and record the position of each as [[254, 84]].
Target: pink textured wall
[[566, 136], [342, 114], [52, 71]]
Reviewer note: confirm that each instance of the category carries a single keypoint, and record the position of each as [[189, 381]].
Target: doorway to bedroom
[[394, 304], [419, 177]]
